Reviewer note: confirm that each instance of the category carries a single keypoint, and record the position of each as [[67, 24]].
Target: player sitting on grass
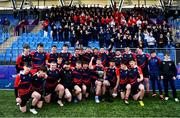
[[38, 81], [77, 80]]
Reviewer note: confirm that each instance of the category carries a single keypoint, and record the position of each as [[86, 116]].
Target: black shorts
[[122, 87], [25, 98], [112, 84], [135, 88], [49, 90], [70, 88], [88, 88], [145, 73]]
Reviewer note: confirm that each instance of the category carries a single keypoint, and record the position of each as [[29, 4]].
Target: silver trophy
[[101, 75]]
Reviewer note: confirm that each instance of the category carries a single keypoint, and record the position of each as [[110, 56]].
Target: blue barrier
[[8, 73]]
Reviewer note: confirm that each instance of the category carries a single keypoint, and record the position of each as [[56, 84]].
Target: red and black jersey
[[77, 76], [87, 57], [142, 60], [134, 74], [86, 76], [52, 57], [38, 59], [66, 56], [97, 69], [123, 75], [74, 59], [118, 61], [111, 74], [95, 59], [37, 83], [21, 59], [67, 78], [104, 59], [52, 79], [60, 66], [128, 57], [111, 55], [23, 83]]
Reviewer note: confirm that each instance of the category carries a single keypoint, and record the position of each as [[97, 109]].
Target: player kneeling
[[52, 84], [86, 80], [98, 71], [67, 81], [23, 87], [122, 80], [135, 77], [109, 82], [77, 80], [38, 80]]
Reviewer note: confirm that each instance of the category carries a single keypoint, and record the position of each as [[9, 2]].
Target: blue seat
[[8, 50], [15, 51], [2, 57], [160, 55], [8, 57]]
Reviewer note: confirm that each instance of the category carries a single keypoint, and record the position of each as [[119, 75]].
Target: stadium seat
[[8, 57], [161, 56], [2, 57], [8, 50]]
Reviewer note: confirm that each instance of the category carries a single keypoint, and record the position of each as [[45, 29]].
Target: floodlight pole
[[61, 2], [162, 5], [71, 3], [120, 4], [14, 4], [22, 4]]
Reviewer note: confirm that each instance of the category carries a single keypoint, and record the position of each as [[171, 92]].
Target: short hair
[[112, 60], [85, 62], [78, 62], [26, 46], [99, 58], [27, 65], [54, 46], [153, 51], [131, 61], [53, 62], [67, 63], [43, 68], [166, 53], [65, 45], [40, 45]]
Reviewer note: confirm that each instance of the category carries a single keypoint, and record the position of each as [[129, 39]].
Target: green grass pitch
[[154, 107]]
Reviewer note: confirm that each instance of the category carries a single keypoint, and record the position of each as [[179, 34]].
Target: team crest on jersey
[[170, 64], [163, 62], [135, 70]]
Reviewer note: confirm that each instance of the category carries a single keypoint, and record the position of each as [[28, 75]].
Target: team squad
[[104, 74]]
